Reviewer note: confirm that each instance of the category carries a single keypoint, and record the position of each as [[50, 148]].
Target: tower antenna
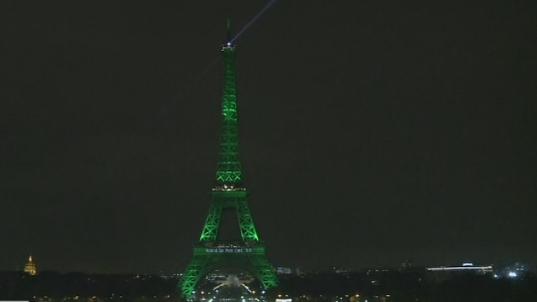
[[228, 30]]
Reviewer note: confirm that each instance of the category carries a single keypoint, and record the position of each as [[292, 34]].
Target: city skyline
[[371, 133]]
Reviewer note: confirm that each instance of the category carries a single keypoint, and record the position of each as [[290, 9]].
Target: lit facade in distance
[[465, 267]]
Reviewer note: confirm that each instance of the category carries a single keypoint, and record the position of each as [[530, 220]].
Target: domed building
[[30, 267]]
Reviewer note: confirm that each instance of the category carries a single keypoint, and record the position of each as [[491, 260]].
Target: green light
[[191, 277], [228, 193], [229, 169], [246, 222], [212, 223]]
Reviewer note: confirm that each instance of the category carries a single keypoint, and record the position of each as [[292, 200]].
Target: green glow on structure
[[229, 171], [210, 253]]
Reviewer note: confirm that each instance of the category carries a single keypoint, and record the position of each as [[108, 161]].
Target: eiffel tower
[[229, 193]]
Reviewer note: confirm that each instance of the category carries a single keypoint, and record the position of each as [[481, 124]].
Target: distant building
[[339, 270], [281, 270], [30, 267], [465, 267], [406, 266], [444, 272], [513, 271]]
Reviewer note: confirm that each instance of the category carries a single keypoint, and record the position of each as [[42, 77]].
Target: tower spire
[[228, 31], [229, 169]]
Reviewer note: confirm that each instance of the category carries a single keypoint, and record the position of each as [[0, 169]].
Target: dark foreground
[[369, 285]]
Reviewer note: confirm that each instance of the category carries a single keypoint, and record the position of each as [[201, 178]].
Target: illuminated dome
[[30, 268]]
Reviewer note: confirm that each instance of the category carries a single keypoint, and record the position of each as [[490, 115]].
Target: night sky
[[372, 132]]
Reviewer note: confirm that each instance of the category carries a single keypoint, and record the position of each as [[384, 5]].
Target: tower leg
[[212, 223], [264, 271], [246, 222], [193, 273]]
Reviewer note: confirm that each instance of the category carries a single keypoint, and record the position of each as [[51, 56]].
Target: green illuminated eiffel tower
[[229, 193]]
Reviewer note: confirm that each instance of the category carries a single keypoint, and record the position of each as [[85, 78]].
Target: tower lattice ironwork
[[229, 193]]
